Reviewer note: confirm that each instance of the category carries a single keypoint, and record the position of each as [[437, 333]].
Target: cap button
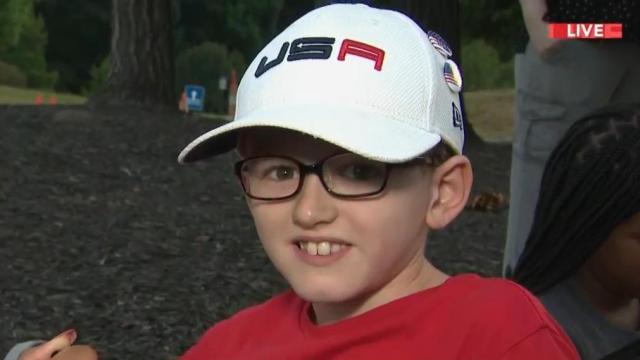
[[452, 76], [439, 44]]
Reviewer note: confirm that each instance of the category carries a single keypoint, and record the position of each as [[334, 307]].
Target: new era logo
[[457, 116]]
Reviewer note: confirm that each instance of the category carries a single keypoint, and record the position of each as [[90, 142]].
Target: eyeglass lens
[[343, 174]]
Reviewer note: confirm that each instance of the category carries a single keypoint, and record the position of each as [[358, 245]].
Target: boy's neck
[[620, 310], [420, 275]]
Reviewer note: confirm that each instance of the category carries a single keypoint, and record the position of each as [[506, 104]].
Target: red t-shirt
[[467, 317]]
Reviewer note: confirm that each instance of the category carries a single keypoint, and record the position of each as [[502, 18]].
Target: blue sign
[[195, 97]]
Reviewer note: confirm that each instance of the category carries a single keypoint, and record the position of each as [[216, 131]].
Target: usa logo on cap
[[440, 44], [452, 76]]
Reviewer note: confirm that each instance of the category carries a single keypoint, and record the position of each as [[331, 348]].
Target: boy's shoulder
[[497, 296], [501, 315], [498, 304], [497, 290]]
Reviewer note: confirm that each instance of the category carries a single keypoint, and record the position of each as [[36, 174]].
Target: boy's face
[[381, 236]]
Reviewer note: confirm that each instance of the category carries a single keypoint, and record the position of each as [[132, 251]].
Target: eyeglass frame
[[316, 168]]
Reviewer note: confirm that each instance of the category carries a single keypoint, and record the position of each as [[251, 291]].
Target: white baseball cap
[[365, 79]]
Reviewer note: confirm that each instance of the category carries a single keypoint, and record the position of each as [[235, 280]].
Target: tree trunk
[[141, 58], [443, 17]]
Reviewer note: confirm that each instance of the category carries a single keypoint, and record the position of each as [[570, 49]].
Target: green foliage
[[13, 14], [498, 22], [204, 65], [28, 53], [78, 37], [242, 25], [482, 68], [99, 75], [79, 31], [248, 21], [11, 76]]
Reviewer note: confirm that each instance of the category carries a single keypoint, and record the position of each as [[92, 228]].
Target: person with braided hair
[[582, 256], [558, 82]]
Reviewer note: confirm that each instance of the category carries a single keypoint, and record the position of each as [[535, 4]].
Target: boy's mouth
[[323, 248], [320, 247]]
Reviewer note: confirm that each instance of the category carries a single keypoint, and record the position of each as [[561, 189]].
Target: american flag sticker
[[452, 76], [440, 44]]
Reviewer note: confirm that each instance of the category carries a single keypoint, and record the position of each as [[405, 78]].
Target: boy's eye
[[280, 173], [361, 171], [270, 169]]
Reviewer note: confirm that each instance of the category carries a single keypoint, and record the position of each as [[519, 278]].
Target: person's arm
[[544, 343], [538, 29]]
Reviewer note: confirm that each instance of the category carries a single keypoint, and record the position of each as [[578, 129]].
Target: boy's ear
[[450, 188]]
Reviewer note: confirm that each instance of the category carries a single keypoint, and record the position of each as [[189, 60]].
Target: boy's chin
[[326, 293]]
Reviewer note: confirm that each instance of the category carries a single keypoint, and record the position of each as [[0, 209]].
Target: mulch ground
[[102, 230]]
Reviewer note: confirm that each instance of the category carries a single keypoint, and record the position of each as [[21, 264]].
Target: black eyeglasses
[[345, 175]]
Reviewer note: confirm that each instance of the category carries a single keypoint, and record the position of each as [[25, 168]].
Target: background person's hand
[[538, 29], [60, 348]]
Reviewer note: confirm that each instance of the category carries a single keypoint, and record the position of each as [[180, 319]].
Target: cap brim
[[368, 134]]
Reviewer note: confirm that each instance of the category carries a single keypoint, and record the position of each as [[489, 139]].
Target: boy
[[350, 137]]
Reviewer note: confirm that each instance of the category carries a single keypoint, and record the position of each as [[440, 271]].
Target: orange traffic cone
[[39, 99], [182, 104]]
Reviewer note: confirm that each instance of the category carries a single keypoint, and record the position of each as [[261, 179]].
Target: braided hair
[[591, 184]]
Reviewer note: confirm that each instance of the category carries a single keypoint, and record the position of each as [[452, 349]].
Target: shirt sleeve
[[544, 343], [18, 349]]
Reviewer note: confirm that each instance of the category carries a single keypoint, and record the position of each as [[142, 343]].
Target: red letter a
[[363, 50]]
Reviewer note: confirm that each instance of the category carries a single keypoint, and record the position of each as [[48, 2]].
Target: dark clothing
[[592, 334]]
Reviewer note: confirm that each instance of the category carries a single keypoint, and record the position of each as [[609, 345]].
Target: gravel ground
[[102, 230]]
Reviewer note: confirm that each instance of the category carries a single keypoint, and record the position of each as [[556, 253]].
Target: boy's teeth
[[312, 248], [324, 248]]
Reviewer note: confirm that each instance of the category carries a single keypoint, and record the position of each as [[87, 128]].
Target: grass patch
[[19, 96], [491, 112]]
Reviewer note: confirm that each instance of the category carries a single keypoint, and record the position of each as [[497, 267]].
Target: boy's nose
[[313, 204]]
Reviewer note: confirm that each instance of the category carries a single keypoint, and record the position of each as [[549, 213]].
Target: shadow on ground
[[102, 230]]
